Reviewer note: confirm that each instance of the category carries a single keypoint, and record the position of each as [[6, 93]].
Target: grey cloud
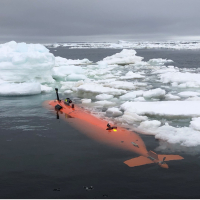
[[54, 20]]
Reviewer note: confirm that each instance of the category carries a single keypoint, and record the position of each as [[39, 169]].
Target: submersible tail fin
[[141, 160], [159, 159]]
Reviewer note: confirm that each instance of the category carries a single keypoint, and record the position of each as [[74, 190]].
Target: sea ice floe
[[104, 97], [120, 85], [195, 123], [132, 95], [18, 89], [155, 93], [158, 61], [113, 112], [171, 97], [149, 125], [46, 89], [164, 108], [104, 103], [188, 94], [84, 101], [131, 75], [179, 77], [130, 117], [21, 62], [123, 58], [99, 89], [59, 61], [70, 73]]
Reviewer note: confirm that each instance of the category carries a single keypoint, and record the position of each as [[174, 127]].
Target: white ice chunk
[[104, 97], [95, 88], [180, 77], [149, 126], [68, 91], [113, 112], [193, 99], [124, 57], [188, 94], [155, 93], [21, 62], [131, 95], [59, 61], [158, 61], [171, 97], [46, 89], [164, 108], [186, 136], [131, 117], [104, 103], [131, 75], [195, 123], [86, 100], [120, 85], [19, 89], [139, 99]]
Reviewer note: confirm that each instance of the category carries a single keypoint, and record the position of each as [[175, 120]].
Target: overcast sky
[[98, 20]]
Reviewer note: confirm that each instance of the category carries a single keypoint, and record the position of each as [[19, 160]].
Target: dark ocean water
[[44, 157]]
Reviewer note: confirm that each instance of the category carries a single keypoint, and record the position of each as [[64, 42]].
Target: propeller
[[163, 161]]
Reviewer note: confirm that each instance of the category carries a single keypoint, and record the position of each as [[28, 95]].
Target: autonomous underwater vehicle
[[102, 131]]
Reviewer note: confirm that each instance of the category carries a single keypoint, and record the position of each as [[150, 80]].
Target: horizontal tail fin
[[141, 160], [170, 157]]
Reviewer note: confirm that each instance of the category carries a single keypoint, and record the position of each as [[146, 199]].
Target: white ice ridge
[[188, 79], [123, 58], [18, 89], [164, 108], [99, 89], [131, 75], [132, 45], [21, 62], [59, 61], [68, 73]]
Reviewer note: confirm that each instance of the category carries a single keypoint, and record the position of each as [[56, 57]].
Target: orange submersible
[[102, 131]]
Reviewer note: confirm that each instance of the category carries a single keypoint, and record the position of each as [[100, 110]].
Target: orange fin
[[141, 160], [170, 157]]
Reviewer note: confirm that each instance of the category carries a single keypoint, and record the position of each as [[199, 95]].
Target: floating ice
[[120, 85], [113, 112], [179, 77], [104, 96], [135, 45], [132, 95], [46, 89], [104, 103], [20, 89], [131, 75], [70, 73], [21, 62], [59, 61], [99, 89], [123, 58], [155, 93], [188, 94], [164, 108], [149, 125], [86, 101], [171, 97], [131, 117], [158, 61]]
